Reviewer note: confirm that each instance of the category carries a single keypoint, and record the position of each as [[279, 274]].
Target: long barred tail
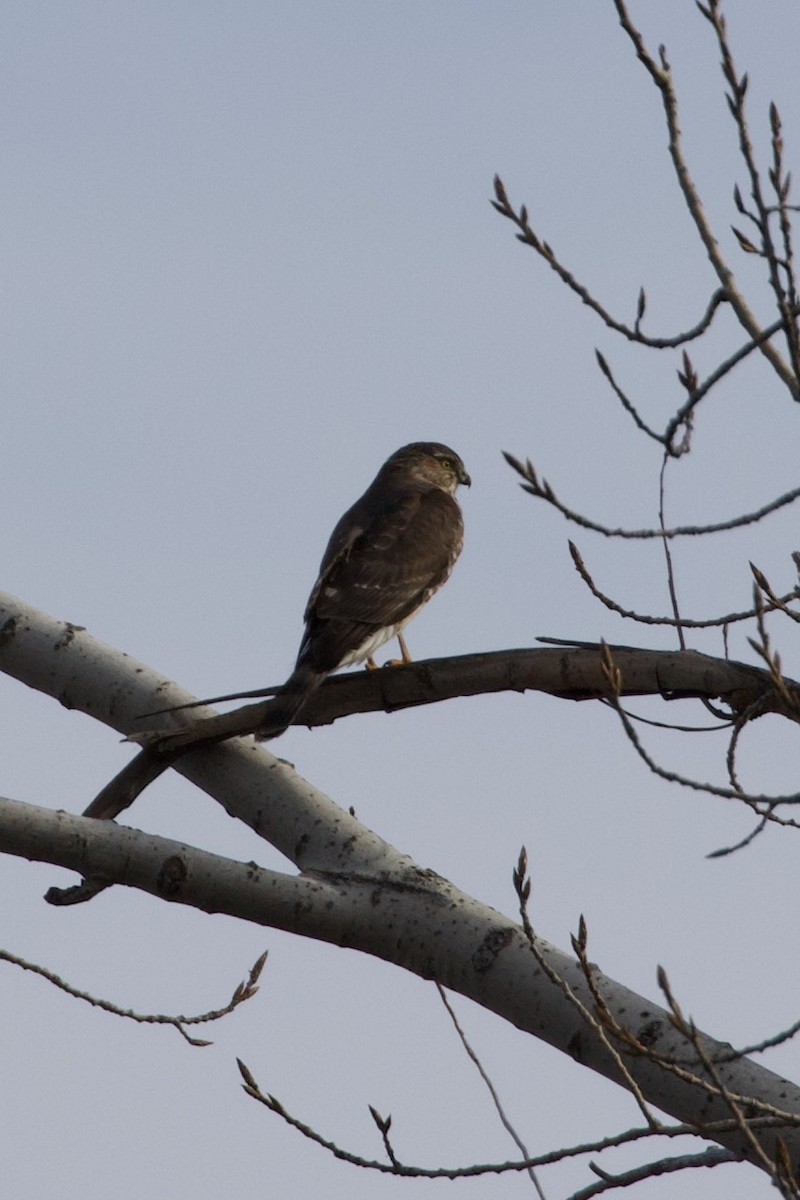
[[289, 702]]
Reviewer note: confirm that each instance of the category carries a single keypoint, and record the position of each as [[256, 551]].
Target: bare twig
[[744, 842], [633, 333], [758, 801], [542, 490], [699, 390], [596, 1023], [763, 648], [777, 1039], [472, 1055], [733, 1103], [661, 76], [781, 182], [384, 1124], [775, 602], [243, 991], [673, 595], [780, 271], [626, 403], [702, 389], [252, 1089], [713, 1157]]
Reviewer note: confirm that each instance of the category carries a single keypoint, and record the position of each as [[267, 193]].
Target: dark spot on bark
[[68, 635], [490, 947], [7, 630], [300, 847], [649, 1034], [171, 876], [575, 1046]]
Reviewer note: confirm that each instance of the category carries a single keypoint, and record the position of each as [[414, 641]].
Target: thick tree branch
[[357, 891], [68, 663], [417, 920]]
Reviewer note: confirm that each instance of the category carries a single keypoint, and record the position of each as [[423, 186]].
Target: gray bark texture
[[353, 889]]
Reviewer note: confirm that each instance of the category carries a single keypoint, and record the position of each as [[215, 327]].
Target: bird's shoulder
[[373, 541]]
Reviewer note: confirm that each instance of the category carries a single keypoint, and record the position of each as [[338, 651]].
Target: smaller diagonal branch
[[713, 1157], [777, 1039], [702, 389], [595, 1021], [774, 603], [473, 1057], [661, 77], [671, 585], [697, 391], [243, 992], [780, 271], [274, 1105], [777, 603], [733, 1102], [542, 490], [633, 333], [781, 182], [615, 679], [763, 648], [626, 403]]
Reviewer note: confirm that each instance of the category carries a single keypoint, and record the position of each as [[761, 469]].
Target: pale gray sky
[[248, 252]]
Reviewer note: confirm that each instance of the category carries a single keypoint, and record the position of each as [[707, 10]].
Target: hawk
[[386, 557]]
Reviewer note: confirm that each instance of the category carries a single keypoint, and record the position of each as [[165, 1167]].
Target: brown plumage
[[386, 557]]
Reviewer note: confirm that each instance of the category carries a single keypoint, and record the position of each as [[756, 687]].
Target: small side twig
[[775, 602], [522, 886], [542, 490], [244, 991], [689, 1030], [713, 1157], [673, 595], [384, 1124], [633, 333], [628, 1137], [757, 801], [661, 75], [472, 1055]]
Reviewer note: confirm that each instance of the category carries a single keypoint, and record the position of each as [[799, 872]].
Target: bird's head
[[430, 462]]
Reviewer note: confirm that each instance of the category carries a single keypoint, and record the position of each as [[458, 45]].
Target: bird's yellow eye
[[447, 463]]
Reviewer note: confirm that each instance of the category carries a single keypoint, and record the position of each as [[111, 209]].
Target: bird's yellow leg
[[404, 649], [400, 662]]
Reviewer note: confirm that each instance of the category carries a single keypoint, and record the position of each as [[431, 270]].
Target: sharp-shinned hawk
[[386, 557]]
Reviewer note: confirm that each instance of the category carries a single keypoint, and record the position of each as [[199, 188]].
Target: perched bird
[[386, 557]]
